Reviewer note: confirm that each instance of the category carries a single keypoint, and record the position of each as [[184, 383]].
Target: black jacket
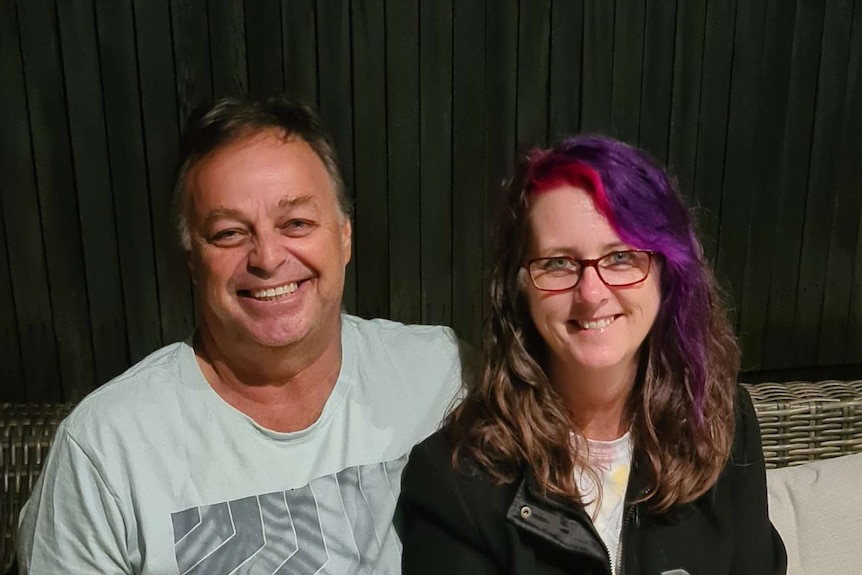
[[461, 523]]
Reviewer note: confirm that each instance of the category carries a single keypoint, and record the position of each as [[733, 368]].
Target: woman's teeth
[[596, 324], [275, 292]]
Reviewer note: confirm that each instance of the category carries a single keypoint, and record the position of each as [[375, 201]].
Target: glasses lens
[[555, 273], [623, 268]]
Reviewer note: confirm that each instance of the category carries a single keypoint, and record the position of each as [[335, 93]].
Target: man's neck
[[282, 389]]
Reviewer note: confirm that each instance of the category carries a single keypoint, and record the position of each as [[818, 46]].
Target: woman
[[607, 433]]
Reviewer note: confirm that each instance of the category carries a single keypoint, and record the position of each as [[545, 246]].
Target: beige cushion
[[817, 509]]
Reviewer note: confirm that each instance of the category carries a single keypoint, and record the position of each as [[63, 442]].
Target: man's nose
[[267, 254]]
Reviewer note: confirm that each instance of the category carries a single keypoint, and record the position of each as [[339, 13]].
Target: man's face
[[269, 244]]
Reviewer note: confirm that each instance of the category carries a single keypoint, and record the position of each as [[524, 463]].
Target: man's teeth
[[274, 292], [597, 324]]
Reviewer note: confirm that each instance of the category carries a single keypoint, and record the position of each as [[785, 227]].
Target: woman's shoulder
[[433, 460], [432, 472]]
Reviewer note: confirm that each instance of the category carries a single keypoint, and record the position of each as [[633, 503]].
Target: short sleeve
[[72, 522]]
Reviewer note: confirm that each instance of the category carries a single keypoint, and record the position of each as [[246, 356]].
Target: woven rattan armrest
[[26, 432], [802, 421]]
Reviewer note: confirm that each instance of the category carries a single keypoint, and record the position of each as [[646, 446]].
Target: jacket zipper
[[629, 511], [632, 509]]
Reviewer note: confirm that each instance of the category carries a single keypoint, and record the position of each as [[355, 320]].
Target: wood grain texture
[[128, 173], [828, 118], [753, 105], [435, 149], [371, 222], [58, 203], [793, 183], [160, 120], [28, 336], [92, 176], [468, 155]]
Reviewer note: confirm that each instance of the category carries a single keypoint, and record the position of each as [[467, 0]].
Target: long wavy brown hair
[[681, 405]]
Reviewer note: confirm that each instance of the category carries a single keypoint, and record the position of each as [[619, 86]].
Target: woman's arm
[[758, 546], [437, 525]]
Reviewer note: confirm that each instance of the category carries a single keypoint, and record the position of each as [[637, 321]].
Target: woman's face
[[590, 326]]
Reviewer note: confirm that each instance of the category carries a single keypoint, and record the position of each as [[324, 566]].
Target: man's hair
[[228, 120], [681, 407]]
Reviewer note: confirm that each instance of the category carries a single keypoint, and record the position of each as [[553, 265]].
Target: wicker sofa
[[801, 422]]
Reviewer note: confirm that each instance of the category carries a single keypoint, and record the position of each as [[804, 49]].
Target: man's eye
[[298, 227], [226, 237]]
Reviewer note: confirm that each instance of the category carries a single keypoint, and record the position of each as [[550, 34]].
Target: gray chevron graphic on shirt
[[327, 526]]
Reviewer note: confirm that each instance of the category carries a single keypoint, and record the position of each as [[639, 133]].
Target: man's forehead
[[286, 203]]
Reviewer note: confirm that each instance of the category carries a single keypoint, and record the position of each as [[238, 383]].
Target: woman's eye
[[621, 258], [557, 264]]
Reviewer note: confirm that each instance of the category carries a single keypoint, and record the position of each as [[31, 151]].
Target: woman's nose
[[590, 287]]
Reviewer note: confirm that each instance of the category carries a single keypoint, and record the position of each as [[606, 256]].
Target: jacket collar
[[555, 520]]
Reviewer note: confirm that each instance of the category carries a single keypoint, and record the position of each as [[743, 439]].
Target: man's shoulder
[[144, 383], [401, 334], [401, 343]]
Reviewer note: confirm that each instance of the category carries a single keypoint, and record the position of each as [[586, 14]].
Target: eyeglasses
[[616, 269]]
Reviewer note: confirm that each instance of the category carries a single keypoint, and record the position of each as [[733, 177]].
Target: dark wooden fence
[[756, 105]]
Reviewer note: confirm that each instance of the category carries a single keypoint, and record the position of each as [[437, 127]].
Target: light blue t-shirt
[[154, 473]]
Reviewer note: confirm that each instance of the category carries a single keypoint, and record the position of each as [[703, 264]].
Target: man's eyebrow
[[222, 213], [296, 201]]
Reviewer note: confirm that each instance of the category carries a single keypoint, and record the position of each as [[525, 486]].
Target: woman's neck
[[598, 399]]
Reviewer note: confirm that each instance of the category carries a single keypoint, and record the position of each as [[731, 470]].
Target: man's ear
[[192, 265], [346, 240]]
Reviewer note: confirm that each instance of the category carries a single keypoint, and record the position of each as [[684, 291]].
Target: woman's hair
[[681, 407]]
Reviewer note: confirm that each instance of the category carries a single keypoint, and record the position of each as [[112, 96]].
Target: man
[[273, 440]]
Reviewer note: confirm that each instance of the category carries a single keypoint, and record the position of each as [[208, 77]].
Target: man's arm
[[72, 522]]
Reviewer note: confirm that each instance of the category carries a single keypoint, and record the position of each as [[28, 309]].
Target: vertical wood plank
[[501, 57], [831, 84], [11, 370], [534, 44], [836, 343], [739, 186], [300, 49], [657, 86], [95, 198], [687, 74], [597, 67], [403, 177], [227, 48], [128, 173], [161, 140], [371, 245], [264, 47], [712, 124], [567, 28], [764, 176], [191, 56], [793, 178], [628, 59], [849, 178], [435, 153], [57, 197], [468, 149], [336, 102], [31, 331]]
